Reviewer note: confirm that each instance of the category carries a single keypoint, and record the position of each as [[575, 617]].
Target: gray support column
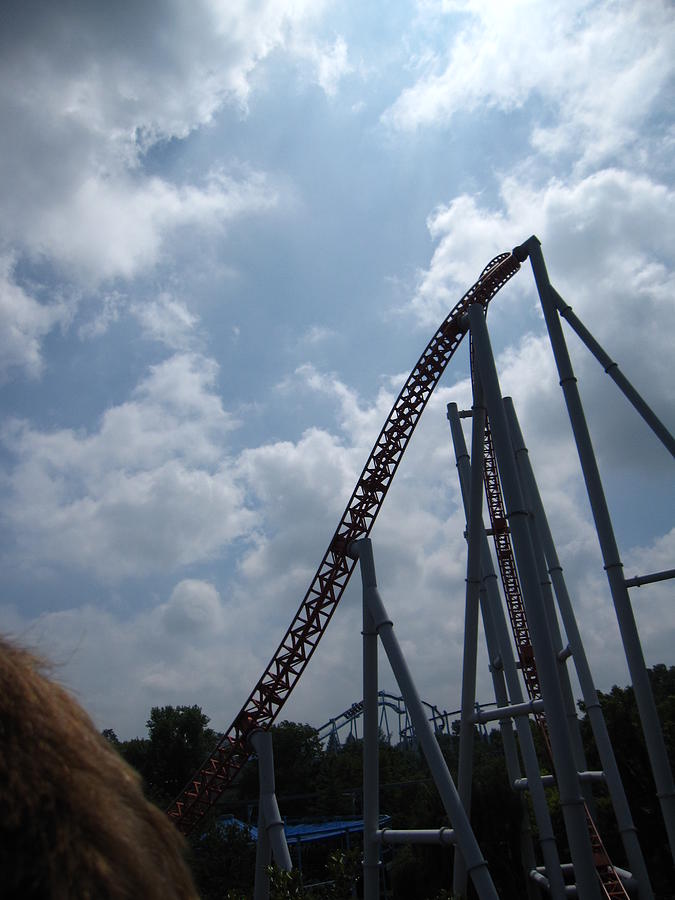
[[527, 853], [475, 863], [473, 583], [571, 802], [502, 639], [271, 835], [549, 605], [263, 858], [617, 376], [371, 786], [574, 730], [499, 683], [597, 720], [610, 553]]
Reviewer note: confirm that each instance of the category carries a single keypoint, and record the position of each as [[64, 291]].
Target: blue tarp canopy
[[306, 832]]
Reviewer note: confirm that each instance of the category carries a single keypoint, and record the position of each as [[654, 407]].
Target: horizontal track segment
[[327, 587]]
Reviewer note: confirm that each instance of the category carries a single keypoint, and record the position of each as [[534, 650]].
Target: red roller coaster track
[[328, 585], [330, 581]]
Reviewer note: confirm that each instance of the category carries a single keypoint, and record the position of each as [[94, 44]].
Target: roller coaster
[[345, 726], [519, 574]]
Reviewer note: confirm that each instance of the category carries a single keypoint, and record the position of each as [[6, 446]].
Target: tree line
[[314, 782]]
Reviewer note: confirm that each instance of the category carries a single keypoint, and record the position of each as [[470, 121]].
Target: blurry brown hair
[[74, 824]]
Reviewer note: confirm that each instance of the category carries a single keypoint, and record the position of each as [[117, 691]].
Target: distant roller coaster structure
[[528, 661], [344, 726]]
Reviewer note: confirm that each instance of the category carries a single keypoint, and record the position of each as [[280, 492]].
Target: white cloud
[[87, 94], [317, 334], [24, 321], [330, 61], [149, 489], [194, 609], [115, 227], [596, 68], [358, 421], [298, 487], [192, 648], [133, 74], [111, 306], [167, 320]]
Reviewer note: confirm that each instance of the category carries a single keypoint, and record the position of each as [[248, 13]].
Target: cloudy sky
[[227, 230]]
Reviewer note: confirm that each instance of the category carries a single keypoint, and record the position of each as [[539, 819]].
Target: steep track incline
[[327, 586]]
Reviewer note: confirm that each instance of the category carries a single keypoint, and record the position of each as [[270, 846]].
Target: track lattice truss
[[327, 586]]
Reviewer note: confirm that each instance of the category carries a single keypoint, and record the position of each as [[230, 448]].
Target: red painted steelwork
[[323, 595]]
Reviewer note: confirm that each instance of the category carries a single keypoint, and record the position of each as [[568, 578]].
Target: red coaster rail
[[328, 585]]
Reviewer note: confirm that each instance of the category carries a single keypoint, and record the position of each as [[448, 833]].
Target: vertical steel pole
[[263, 857], [571, 801], [547, 840], [513, 772], [371, 787], [513, 769], [473, 583], [554, 629], [593, 710], [271, 835], [610, 553], [473, 857], [574, 729]]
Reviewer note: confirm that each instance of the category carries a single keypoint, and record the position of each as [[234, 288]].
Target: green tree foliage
[[110, 736], [341, 873], [223, 863], [623, 724], [178, 742]]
